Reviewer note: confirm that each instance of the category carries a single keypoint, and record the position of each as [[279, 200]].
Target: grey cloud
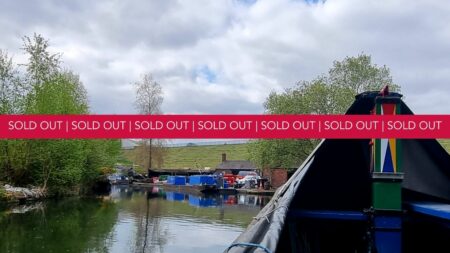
[[187, 100], [161, 24]]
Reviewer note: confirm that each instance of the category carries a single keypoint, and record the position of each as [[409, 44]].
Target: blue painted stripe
[[388, 222], [388, 241], [388, 163], [328, 214], [248, 244]]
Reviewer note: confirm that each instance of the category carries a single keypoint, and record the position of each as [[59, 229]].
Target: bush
[[107, 171], [3, 195]]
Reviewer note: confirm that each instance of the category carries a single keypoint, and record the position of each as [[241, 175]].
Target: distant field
[[446, 144], [198, 156], [209, 156]]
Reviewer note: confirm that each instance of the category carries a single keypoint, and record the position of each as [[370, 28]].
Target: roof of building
[[236, 165]]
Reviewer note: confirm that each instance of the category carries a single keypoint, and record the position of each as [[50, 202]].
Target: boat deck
[[430, 209], [436, 210]]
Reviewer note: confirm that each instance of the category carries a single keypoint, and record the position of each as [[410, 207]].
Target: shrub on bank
[[3, 195]]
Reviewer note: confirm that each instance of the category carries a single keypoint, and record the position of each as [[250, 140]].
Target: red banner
[[224, 126]]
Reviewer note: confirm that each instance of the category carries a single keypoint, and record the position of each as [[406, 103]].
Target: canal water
[[128, 220]]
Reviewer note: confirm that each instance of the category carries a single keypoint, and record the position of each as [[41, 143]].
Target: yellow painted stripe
[[392, 144]]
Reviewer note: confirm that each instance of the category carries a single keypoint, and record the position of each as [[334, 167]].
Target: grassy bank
[[446, 144], [197, 156], [209, 156]]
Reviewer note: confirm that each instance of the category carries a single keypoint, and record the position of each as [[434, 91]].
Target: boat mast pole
[[387, 177]]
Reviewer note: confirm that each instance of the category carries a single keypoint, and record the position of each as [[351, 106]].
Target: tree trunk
[[150, 144], [7, 162]]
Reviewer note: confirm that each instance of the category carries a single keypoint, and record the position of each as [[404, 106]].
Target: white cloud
[[249, 48]]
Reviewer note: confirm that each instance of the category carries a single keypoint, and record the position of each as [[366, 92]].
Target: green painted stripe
[[377, 155], [377, 144], [387, 196], [399, 156]]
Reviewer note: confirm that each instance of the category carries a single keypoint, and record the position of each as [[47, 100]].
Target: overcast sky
[[226, 56]]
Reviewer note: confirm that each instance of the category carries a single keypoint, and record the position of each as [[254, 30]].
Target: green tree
[[42, 65], [11, 97], [327, 94], [60, 166], [359, 74], [65, 166], [100, 154], [10, 87], [57, 165], [62, 94]]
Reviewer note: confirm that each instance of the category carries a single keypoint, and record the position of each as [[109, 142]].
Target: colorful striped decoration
[[387, 171], [387, 150]]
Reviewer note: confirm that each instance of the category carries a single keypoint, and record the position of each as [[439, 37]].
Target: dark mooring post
[[387, 177]]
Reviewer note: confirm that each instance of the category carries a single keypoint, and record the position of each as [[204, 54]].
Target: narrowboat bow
[[360, 195]]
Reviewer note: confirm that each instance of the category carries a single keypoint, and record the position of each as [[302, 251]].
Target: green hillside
[[198, 156], [209, 156], [446, 144]]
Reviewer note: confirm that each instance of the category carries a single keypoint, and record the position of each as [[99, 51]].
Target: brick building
[[277, 176]]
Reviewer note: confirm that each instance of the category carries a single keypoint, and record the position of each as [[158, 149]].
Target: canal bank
[[11, 194]]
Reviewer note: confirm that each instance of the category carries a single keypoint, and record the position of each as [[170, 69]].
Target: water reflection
[[165, 221], [70, 225], [214, 200], [129, 220]]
